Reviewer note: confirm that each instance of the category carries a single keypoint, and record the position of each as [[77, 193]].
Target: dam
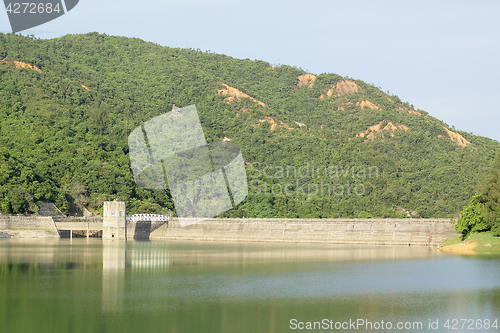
[[419, 232], [409, 232]]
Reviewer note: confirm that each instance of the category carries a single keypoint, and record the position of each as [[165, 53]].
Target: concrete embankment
[[421, 232], [22, 226]]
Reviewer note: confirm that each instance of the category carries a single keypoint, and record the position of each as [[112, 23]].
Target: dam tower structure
[[114, 222]]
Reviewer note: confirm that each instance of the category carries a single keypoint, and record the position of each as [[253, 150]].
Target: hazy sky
[[440, 56]]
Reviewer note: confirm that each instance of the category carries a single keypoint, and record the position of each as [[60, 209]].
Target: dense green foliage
[[489, 191], [483, 212], [471, 219], [63, 132]]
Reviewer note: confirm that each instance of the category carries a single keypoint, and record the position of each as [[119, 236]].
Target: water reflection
[[114, 257], [217, 254], [96, 286], [51, 253], [147, 258]]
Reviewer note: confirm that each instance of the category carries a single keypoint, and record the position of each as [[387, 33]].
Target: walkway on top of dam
[[96, 223]]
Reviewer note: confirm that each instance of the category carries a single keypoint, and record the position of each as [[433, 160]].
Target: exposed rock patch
[[457, 138], [273, 124], [306, 79], [409, 111], [328, 94], [342, 88], [347, 87], [367, 104], [270, 121], [20, 64], [390, 127], [235, 94]]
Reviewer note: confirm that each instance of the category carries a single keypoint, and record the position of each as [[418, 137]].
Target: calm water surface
[[94, 286]]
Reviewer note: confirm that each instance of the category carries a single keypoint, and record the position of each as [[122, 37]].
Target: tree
[[471, 220], [489, 191], [483, 211]]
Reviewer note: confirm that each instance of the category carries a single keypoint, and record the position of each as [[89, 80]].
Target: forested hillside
[[314, 145]]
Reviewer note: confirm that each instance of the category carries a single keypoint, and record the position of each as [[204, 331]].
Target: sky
[[440, 56]]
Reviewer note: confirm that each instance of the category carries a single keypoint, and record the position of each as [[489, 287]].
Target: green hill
[[314, 145]]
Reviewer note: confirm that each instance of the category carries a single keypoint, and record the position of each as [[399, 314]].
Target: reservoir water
[[87, 285]]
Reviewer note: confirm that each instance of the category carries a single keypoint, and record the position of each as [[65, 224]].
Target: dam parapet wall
[[26, 226], [416, 232]]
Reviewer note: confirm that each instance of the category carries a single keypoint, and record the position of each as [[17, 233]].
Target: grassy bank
[[479, 243]]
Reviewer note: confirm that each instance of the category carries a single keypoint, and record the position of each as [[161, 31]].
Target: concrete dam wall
[[23, 226], [420, 232], [142, 230]]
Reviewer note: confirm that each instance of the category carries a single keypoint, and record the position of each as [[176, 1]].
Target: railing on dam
[[148, 217], [138, 226], [95, 223]]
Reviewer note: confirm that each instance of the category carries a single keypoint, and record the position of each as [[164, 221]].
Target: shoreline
[[462, 248], [475, 244]]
